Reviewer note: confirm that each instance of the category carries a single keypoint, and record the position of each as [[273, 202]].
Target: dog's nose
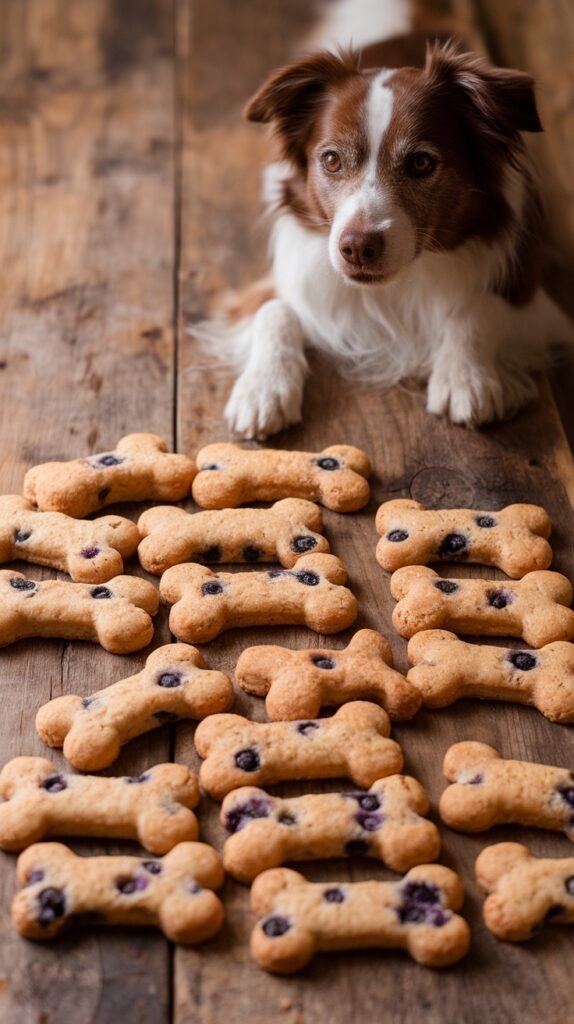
[[361, 248]]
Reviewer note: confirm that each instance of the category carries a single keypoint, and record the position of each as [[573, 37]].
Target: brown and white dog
[[407, 227]]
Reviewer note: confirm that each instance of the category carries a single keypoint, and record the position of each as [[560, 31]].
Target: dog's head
[[393, 162]]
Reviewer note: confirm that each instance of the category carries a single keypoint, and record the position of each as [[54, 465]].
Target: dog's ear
[[500, 100], [292, 95]]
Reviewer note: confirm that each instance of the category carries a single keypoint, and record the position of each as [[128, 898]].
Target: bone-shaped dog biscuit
[[299, 683], [154, 807], [488, 790], [300, 918], [535, 607], [446, 668], [174, 683], [173, 893], [90, 551], [385, 822], [525, 892], [282, 533], [230, 475], [116, 615], [205, 603], [514, 539], [353, 744], [138, 469]]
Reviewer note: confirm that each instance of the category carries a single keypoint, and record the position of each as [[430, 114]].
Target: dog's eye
[[331, 161], [420, 164]]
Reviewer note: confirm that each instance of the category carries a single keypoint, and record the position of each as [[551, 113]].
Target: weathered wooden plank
[[526, 459], [86, 247]]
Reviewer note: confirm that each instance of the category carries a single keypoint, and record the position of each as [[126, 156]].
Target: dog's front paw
[[258, 408], [474, 395]]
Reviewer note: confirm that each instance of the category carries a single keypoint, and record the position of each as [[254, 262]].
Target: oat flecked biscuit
[[446, 668], [535, 608], [116, 614], [173, 893], [298, 919], [298, 683], [524, 892], [488, 790], [205, 603], [385, 821], [515, 539], [174, 683], [282, 533], [138, 469], [229, 476], [353, 744], [155, 807], [90, 551]]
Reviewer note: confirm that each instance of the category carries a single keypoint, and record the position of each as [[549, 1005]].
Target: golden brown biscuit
[[116, 615], [173, 893], [229, 476], [205, 603], [299, 683], [138, 469], [154, 807], [300, 918]]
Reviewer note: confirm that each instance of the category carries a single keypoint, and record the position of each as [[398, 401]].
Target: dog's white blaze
[[379, 114]]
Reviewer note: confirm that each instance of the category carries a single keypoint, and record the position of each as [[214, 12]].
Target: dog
[[407, 227]]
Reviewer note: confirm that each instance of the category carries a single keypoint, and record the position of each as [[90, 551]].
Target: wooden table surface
[[128, 200]]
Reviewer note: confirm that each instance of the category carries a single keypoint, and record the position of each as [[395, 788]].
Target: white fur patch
[[379, 114]]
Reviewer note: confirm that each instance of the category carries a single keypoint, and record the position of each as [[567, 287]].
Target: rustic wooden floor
[[128, 187]]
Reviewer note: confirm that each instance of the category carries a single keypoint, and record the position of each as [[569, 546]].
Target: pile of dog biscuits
[[385, 817]]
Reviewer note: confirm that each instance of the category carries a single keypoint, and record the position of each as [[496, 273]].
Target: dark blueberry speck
[[499, 598], [90, 552], [368, 801], [453, 545], [569, 885], [136, 779], [476, 780], [87, 702], [210, 465], [306, 727], [301, 544], [356, 848], [34, 876], [54, 784], [153, 866], [110, 460], [486, 522], [275, 926], [522, 660], [169, 680], [328, 463], [22, 535], [212, 588], [19, 584], [247, 760], [396, 536], [52, 905], [421, 905], [274, 574], [240, 816], [129, 885], [446, 586], [287, 819], [369, 821], [310, 579], [321, 662], [211, 554], [101, 593], [251, 553], [567, 795], [334, 895], [193, 888]]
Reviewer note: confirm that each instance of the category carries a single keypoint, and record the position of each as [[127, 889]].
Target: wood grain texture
[[86, 245], [527, 459], [129, 199]]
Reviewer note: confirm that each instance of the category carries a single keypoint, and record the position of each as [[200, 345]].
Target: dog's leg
[[268, 394]]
